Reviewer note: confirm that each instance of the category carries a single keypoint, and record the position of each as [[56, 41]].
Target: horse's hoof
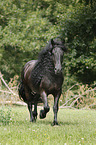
[[42, 114], [47, 109], [33, 120], [55, 123]]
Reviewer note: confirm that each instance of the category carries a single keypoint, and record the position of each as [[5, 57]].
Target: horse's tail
[[21, 91]]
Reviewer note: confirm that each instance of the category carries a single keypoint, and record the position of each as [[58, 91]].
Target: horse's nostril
[[57, 71]]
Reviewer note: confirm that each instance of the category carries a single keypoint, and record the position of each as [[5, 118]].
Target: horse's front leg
[[55, 108], [30, 111], [46, 106]]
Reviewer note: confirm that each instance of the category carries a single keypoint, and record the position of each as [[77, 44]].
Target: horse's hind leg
[[35, 112], [46, 106], [28, 96], [30, 111]]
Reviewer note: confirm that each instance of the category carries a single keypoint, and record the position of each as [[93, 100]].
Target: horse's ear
[[51, 42]]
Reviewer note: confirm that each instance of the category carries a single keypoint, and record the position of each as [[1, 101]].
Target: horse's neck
[[47, 62]]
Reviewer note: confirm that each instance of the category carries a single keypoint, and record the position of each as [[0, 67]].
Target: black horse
[[42, 77]]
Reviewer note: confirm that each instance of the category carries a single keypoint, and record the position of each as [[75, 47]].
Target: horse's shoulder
[[29, 66]]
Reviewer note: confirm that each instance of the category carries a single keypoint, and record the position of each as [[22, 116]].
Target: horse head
[[57, 51]]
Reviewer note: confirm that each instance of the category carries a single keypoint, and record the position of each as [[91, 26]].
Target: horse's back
[[29, 66]]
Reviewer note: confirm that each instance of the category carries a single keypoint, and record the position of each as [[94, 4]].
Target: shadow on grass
[[47, 122], [68, 123], [41, 123]]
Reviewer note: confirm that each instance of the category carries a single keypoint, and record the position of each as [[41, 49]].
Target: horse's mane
[[45, 51], [45, 63]]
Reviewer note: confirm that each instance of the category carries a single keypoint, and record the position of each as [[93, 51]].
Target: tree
[[23, 34], [78, 28], [26, 26]]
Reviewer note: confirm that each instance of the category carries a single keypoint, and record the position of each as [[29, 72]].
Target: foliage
[[5, 116], [76, 127], [22, 36], [26, 26], [78, 28], [87, 2]]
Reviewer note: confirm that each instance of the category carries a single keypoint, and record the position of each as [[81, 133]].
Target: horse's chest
[[57, 83], [51, 84]]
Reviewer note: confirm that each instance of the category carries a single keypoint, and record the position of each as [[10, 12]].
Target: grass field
[[77, 127]]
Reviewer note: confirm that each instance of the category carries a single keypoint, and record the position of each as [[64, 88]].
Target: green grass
[[77, 127]]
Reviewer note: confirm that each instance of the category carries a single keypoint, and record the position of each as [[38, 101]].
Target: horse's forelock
[[60, 44]]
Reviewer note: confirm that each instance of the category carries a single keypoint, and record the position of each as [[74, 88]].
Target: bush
[[5, 116], [22, 36], [78, 28], [26, 26]]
